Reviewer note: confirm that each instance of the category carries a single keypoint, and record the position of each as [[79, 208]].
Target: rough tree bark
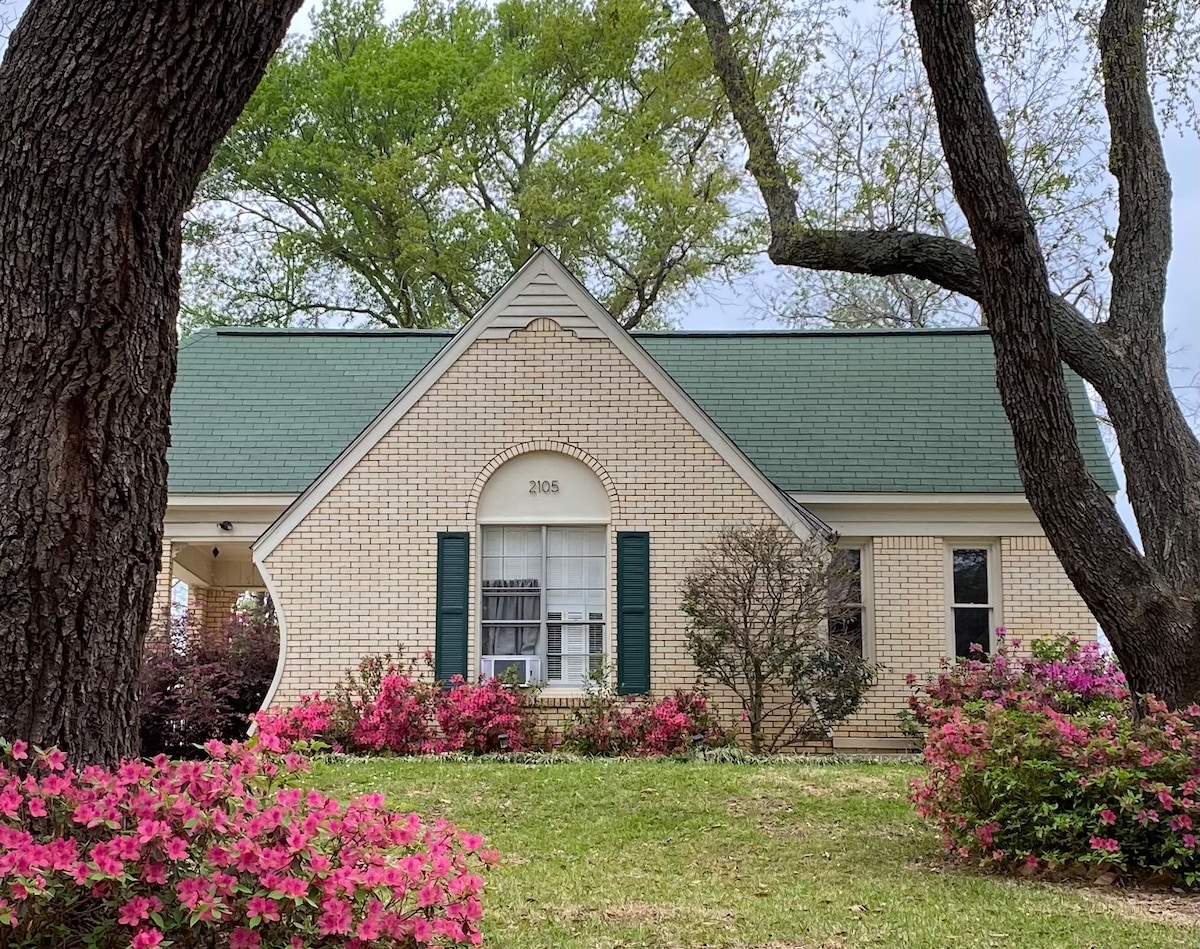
[[109, 112], [1148, 604]]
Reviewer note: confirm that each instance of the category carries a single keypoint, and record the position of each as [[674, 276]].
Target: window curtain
[[514, 619]]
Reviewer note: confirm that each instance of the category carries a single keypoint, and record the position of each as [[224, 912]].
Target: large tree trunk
[[109, 112], [1149, 605], [1145, 603]]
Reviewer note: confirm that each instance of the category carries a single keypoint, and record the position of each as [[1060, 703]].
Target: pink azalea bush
[[311, 719], [1064, 674], [484, 718], [221, 852], [400, 718], [612, 726], [1037, 762], [385, 708]]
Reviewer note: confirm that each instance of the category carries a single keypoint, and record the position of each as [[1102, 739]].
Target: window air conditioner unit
[[524, 670]]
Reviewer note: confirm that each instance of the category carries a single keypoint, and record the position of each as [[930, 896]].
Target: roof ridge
[[867, 332], [830, 331], [321, 331]]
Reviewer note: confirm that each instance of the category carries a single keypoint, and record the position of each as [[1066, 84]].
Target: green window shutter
[[633, 612], [453, 590]]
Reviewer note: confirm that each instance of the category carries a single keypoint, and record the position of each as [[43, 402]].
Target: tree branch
[[1080, 522], [1142, 249], [942, 261]]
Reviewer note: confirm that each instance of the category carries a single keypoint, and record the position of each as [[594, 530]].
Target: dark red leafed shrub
[[1037, 762], [221, 853], [199, 683]]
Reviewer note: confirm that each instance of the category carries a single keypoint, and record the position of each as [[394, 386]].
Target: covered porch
[[206, 562]]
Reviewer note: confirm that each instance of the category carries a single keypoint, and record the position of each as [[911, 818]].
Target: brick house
[[528, 492]]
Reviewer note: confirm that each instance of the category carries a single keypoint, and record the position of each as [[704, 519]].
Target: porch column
[[213, 607], [163, 585]]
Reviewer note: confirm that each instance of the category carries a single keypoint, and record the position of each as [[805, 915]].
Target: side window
[[972, 603], [847, 606]]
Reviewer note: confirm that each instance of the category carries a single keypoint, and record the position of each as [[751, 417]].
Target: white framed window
[[850, 624], [973, 597], [544, 592]]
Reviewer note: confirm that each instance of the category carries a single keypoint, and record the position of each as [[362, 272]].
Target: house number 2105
[[543, 487]]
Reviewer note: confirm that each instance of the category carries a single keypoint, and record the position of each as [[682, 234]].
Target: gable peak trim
[[592, 321]]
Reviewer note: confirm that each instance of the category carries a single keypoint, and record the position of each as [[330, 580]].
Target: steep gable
[[524, 306]]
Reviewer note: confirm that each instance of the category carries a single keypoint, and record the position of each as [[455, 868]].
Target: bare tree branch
[[943, 261], [1142, 248]]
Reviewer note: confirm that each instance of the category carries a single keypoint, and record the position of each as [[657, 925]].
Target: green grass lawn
[[789, 856]]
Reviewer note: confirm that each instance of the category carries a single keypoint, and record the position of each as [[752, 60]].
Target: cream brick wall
[[911, 625], [1039, 601], [163, 584], [357, 575], [908, 606]]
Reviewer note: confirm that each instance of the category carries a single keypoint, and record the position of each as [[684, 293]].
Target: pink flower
[[259, 907], [146, 939], [1106, 844], [19, 750], [134, 911], [1108, 816], [242, 938], [471, 841], [54, 759]]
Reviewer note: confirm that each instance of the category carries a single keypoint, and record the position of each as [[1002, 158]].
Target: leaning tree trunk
[[1146, 603], [1149, 605], [109, 112]]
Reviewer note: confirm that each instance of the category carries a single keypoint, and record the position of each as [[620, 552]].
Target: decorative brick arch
[[541, 326], [544, 444]]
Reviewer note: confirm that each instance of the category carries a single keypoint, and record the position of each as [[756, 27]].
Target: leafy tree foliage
[[397, 173]]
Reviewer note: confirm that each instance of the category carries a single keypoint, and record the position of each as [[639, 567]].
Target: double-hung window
[[545, 595], [847, 607], [972, 598]]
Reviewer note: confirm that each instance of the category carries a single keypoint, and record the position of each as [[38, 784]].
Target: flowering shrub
[[199, 683], [1063, 674], [384, 708], [485, 718], [1037, 762], [221, 852], [401, 717], [313, 718], [610, 725]]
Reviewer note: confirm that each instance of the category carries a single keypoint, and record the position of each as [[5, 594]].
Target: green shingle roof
[[264, 411]]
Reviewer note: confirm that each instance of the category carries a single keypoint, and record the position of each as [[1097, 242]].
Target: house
[[530, 491]]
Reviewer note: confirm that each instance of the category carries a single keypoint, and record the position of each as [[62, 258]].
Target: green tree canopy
[[396, 173]]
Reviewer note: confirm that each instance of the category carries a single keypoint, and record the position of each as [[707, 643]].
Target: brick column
[[163, 584], [212, 607]]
